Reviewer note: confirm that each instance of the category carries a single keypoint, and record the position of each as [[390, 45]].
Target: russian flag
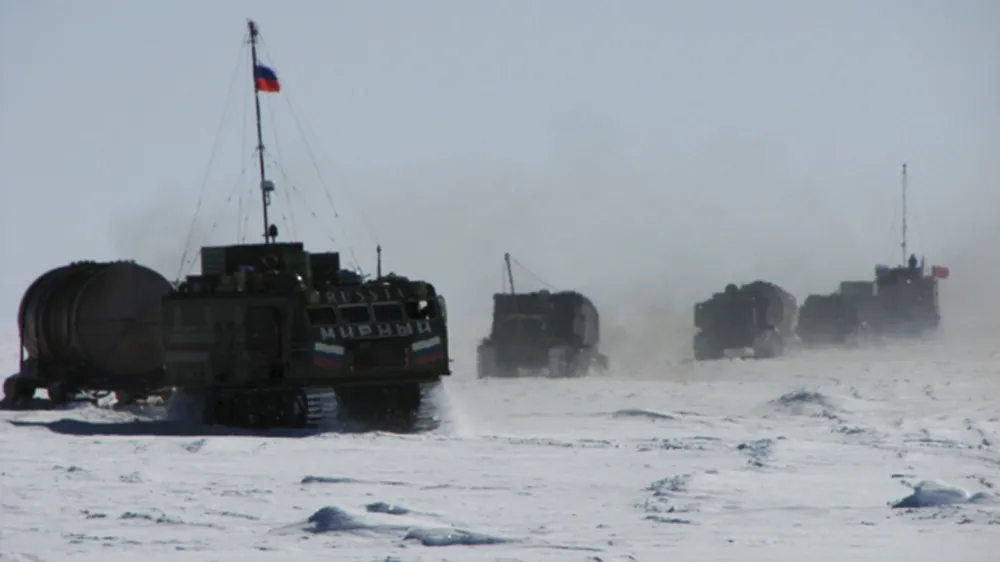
[[327, 355], [428, 350], [265, 79]]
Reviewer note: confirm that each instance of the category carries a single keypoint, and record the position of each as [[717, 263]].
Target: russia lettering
[[368, 294]]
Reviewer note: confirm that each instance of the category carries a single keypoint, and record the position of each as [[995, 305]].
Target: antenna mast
[[903, 243], [266, 186], [510, 272]]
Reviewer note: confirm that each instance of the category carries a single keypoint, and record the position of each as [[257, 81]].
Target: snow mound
[[452, 537], [804, 402], [935, 494], [332, 519], [642, 414], [759, 451], [387, 508]]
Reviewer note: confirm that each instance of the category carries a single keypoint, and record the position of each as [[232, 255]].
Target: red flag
[[940, 272]]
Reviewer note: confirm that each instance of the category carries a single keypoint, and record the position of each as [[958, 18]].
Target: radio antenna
[[903, 243]]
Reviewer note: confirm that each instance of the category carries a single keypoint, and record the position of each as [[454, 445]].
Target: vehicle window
[[321, 315], [356, 314], [388, 312]]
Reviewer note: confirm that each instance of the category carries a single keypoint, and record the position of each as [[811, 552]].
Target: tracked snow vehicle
[[901, 301], [88, 329], [907, 299], [753, 320], [907, 295], [843, 317], [272, 336], [269, 335], [541, 333]]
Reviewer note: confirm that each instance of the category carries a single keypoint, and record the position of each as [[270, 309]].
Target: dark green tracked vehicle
[[754, 320], [268, 334], [842, 317], [900, 302], [550, 333]]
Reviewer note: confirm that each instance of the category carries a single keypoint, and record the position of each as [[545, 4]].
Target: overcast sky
[[635, 150]]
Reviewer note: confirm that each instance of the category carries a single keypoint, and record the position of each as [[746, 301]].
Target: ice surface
[[828, 455]]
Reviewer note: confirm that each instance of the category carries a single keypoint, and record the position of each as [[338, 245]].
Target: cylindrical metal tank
[[782, 308], [105, 316]]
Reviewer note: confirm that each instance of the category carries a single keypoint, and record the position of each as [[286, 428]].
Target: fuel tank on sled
[[90, 326]]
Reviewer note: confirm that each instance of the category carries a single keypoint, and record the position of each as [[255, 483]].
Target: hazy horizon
[[646, 153]]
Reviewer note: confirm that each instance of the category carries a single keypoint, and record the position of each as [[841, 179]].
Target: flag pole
[[266, 187]]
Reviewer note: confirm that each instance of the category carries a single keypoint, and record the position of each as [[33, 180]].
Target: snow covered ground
[[791, 459]]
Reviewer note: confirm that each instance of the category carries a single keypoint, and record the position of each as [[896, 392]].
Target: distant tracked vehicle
[[900, 302], [842, 317], [753, 320], [541, 333]]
